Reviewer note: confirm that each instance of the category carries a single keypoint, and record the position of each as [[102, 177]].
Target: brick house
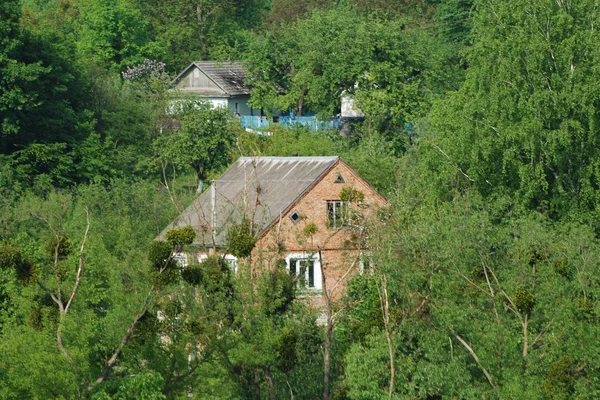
[[299, 213]]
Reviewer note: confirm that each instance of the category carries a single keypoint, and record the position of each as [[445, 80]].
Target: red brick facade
[[341, 247]]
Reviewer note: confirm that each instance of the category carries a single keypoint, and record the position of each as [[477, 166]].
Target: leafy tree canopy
[[203, 140], [523, 128]]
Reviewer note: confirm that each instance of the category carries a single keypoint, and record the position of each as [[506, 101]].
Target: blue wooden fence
[[289, 121]]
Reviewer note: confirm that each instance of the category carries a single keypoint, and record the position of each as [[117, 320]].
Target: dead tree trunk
[[385, 308]]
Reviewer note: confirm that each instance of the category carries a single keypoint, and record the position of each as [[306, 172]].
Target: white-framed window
[[365, 264], [181, 259], [232, 263], [337, 213], [307, 269]]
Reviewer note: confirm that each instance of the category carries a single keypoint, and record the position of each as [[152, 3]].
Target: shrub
[[241, 239], [212, 273], [192, 275], [10, 256], [524, 300], [27, 272], [310, 229], [559, 380], [64, 246], [277, 292], [215, 271], [159, 255], [180, 237], [350, 195]]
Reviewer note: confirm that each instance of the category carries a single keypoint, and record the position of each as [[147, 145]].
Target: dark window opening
[[295, 216]]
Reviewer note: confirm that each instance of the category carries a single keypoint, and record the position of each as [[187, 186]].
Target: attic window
[[337, 213], [339, 178], [295, 216]]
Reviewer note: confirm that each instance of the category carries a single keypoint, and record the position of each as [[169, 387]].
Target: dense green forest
[[482, 128]]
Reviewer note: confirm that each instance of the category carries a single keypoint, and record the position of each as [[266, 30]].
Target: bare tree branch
[[348, 271], [453, 163], [291, 391], [80, 268], [51, 294], [385, 309], [540, 335], [124, 340], [512, 307], [59, 339], [166, 185], [487, 278], [474, 355], [476, 286], [328, 333]]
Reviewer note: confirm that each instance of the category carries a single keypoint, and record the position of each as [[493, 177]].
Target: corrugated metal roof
[[228, 75], [261, 188]]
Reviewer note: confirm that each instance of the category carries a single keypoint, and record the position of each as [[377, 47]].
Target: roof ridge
[[291, 158], [220, 62]]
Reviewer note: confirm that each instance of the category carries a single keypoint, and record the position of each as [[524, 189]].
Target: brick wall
[[340, 246]]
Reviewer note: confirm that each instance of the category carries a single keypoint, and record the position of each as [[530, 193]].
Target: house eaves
[[259, 188], [228, 76]]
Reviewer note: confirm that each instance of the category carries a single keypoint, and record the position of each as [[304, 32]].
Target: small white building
[[349, 108], [220, 83]]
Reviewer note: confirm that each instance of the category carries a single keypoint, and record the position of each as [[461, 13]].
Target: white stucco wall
[[237, 104], [349, 109], [240, 105], [217, 102]]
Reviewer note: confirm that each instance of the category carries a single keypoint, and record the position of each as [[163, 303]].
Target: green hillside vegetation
[[482, 128]]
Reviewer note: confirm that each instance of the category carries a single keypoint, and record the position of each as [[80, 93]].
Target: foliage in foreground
[[477, 308], [98, 311]]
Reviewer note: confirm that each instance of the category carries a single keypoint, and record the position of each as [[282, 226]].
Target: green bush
[[65, 247], [350, 195], [10, 256], [278, 290], [585, 308], [27, 272], [212, 273], [559, 380], [215, 272], [181, 236], [165, 278], [524, 300], [192, 275], [241, 239], [159, 255], [563, 268], [310, 229]]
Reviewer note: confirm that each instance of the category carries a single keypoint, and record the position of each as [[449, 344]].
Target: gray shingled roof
[[281, 181], [228, 75]]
